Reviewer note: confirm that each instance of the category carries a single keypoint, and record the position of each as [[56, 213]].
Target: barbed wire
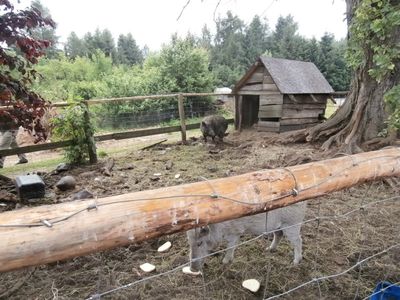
[[318, 219], [295, 191], [336, 274]]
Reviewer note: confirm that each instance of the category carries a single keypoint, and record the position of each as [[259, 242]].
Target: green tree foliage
[[179, 67], [71, 125], [90, 44], [331, 62], [205, 40], [184, 67], [47, 32], [285, 42], [100, 40], [75, 46], [229, 48], [128, 52], [256, 39], [375, 32]]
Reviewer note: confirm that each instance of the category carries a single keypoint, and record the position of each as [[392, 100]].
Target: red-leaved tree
[[19, 106]]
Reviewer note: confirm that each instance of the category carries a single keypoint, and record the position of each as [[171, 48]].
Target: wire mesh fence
[[117, 116], [351, 242]]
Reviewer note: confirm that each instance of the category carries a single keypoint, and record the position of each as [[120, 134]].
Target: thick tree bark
[[363, 115]]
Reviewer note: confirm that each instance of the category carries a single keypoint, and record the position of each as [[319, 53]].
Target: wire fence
[[153, 113], [356, 216], [394, 246]]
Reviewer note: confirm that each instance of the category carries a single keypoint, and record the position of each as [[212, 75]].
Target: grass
[[42, 165], [103, 151]]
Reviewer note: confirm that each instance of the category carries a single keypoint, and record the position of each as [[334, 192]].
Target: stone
[[168, 165], [66, 183], [83, 194], [62, 167]]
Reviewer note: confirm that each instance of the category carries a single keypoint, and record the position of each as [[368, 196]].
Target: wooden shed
[[280, 95]]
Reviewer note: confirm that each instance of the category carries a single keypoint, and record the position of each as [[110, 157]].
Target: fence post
[[182, 117], [89, 136]]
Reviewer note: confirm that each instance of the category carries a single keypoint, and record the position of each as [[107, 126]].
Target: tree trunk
[[363, 115]]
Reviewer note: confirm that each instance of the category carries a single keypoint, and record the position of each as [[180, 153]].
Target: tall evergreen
[[46, 32], [128, 52], [256, 39], [75, 46]]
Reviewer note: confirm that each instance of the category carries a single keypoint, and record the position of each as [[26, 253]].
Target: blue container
[[386, 291]]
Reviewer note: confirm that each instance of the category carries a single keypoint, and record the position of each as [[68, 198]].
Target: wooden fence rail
[[120, 135], [44, 234], [129, 134], [103, 137]]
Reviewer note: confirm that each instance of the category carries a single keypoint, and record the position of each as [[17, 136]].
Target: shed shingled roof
[[295, 77]]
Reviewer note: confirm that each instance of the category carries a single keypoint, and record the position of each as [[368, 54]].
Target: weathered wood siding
[[278, 112]]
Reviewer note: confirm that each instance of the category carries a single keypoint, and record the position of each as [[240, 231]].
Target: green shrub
[[71, 125]]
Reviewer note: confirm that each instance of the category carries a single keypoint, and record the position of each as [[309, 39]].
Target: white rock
[[157, 174], [146, 267], [251, 284], [187, 270], [164, 247], [177, 176]]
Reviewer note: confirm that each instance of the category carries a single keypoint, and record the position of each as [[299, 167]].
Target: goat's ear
[[204, 230]]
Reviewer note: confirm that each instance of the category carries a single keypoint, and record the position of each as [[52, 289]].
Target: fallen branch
[[152, 145]]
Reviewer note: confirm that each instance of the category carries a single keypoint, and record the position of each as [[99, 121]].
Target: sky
[[152, 22]]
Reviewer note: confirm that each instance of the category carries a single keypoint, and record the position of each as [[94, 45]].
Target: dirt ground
[[330, 245]]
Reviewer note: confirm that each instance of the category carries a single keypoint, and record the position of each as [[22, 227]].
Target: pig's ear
[[204, 230], [204, 124]]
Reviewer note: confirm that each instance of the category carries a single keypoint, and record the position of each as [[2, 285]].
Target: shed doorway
[[250, 107]]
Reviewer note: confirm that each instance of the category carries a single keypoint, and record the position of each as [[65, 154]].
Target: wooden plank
[[303, 99], [268, 79], [314, 98], [272, 107], [99, 224], [240, 112], [340, 94], [140, 98], [236, 112], [257, 77], [147, 132], [253, 87], [295, 121], [246, 76], [271, 99], [89, 136], [35, 148], [256, 93], [309, 113], [268, 124], [181, 110], [267, 129], [272, 113], [293, 98], [270, 87], [302, 106]]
